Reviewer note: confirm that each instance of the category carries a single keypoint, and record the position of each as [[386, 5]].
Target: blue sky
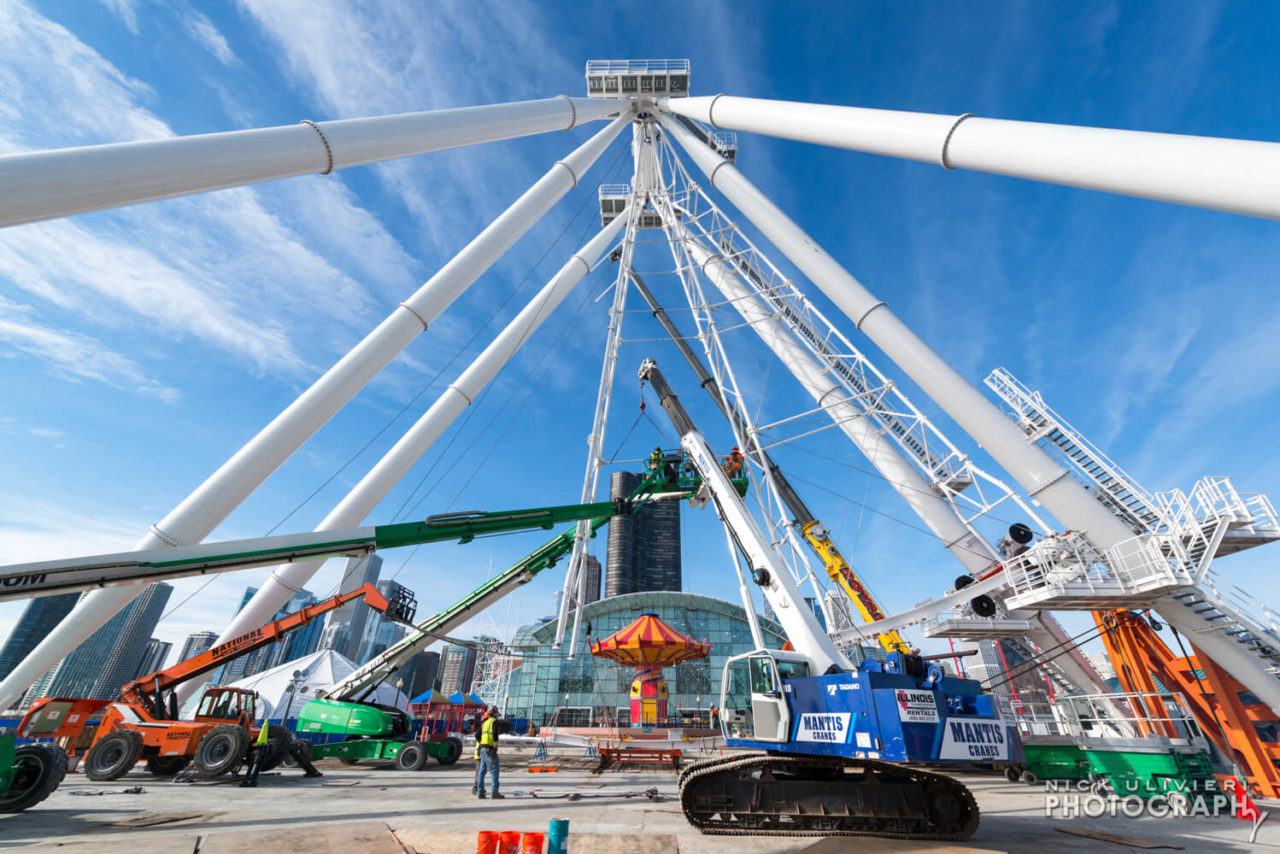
[[141, 347]]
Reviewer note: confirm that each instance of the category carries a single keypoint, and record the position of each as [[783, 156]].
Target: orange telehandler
[[144, 722]]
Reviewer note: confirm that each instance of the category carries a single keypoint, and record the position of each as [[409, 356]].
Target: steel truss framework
[[1107, 548]]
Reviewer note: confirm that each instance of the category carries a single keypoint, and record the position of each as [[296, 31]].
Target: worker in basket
[[733, 464], [487, 752], [657, 460]]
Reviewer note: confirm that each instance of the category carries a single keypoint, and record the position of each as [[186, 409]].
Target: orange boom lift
[[144, 723]]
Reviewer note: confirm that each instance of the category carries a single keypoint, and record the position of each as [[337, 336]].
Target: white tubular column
[[1043, 479], [974, 554], [1235, 175], [211, 502], [374, 486], [46, 184]]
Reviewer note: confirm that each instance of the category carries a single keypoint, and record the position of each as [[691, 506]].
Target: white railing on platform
[[1066, 571]]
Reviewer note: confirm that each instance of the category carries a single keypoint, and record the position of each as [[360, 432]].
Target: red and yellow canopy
[[649, 641]]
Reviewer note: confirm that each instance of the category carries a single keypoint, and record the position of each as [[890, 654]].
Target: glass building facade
[[548, 689]]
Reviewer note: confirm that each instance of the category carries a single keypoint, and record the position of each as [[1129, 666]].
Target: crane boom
[[379, 668], [46, 578], [767, 566], [815, 534], [674, 485], [215, 657]]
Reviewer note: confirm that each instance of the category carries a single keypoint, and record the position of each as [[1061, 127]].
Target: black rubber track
[[743, 822]]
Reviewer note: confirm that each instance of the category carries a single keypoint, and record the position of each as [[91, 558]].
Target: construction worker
[[656, 460], [733, 463], [299, 750], [487, 748], [258, 752]]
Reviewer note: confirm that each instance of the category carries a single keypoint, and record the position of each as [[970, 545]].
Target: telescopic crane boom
[[658, 485], [814, 532]]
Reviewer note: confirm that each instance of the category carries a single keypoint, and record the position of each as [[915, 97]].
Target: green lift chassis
[[373, 732], [1127, 767]]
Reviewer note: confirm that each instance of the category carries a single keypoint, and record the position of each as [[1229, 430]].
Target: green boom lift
[[375, 732]]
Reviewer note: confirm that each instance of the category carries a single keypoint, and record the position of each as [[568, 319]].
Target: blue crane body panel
[[894, 717]]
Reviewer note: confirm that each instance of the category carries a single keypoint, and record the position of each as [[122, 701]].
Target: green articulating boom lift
[[30, 772], [373, 732], [46, 578]]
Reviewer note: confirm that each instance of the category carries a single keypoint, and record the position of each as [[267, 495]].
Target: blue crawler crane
[[831, 749]]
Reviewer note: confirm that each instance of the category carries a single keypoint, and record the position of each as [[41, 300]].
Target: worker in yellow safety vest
[[487, 752], [299, 750]]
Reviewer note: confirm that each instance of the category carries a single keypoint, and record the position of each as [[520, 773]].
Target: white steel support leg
[[46, 184], [595, 442], [211, 502], [1236, 175], [972, 551], [452, 402], [1043, 479]]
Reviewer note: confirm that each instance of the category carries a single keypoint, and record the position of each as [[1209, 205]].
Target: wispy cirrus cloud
[[125, 10], [74, 356], [203, 31], [398, 57], [275, 278]]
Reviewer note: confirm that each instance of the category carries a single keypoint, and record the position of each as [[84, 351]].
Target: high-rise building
[[422, 673], [196, 643], [153, 658], [296, 644], [358, 572], [591, 566], [457, 668], [37, 620], [380, 632], [816, 610], [644, 546], [110, 657]]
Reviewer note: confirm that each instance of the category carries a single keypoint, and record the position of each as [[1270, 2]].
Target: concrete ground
[[381, 810]]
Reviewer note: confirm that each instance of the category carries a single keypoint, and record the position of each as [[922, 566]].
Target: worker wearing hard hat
[[487, 749]]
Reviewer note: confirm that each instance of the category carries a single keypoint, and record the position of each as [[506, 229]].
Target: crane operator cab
[[752, 702], [904, 709]]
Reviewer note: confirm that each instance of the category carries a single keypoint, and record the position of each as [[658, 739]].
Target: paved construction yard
[[382, 811]]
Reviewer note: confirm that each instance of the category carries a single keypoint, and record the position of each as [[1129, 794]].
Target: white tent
[[317, 672]]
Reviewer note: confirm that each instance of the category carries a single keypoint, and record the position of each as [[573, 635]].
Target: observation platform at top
[[638, 78]]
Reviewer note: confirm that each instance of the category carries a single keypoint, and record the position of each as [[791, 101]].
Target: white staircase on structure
[[1213, 520], [1253, 632]]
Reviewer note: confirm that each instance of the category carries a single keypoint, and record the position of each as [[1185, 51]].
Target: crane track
[[748, 818]]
